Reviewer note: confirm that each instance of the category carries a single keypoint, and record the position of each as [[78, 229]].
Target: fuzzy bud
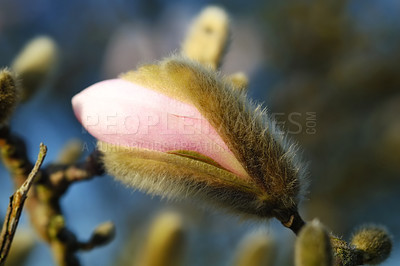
[[208, 37], [165, 241], [34, 64], [103, 234], [177, 129], [256, 249], [239, 81], [71, 152], [313, 246], [8, 95], [374, 241], [23, 243]]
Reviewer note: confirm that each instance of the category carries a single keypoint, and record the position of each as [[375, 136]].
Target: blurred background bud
[[313, 246], [239, 81], [23, 243], [374, 241], [71, 152], [256, 249], [207, 39], [35, 63], [164, 245], [103, 234]]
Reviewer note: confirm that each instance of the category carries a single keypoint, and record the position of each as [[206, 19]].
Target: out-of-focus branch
[[43, 202], [61, 176], [102, 235], [15, 207], [33, 66]]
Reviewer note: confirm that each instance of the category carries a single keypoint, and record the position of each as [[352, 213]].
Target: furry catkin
[[275, 177]]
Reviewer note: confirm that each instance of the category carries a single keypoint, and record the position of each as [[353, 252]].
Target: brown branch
[[15, 207], [294, 223], [43, 203], [61, 176], [102, 235]]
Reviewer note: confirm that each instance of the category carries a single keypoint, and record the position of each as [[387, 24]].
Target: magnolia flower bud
[[177, 129]]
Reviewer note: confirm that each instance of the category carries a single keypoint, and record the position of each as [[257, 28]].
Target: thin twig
[[43, 204], [60, 176], [15, 207]]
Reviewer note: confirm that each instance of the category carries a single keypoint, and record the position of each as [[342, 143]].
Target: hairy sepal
[[269, 158]]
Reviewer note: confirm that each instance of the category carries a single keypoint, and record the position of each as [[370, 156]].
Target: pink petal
[[126, 114]]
